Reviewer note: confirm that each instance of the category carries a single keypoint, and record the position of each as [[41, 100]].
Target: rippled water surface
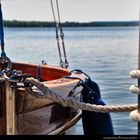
[[106, 54]]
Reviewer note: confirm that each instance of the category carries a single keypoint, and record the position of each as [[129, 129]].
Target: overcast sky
[[72, 10]]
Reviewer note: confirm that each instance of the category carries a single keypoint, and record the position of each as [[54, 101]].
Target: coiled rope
[[135, 115], [72, 102]]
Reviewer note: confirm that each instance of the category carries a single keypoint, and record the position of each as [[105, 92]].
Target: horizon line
[[74, 21]]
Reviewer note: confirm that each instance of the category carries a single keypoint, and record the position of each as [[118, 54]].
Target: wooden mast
[[139, 69]]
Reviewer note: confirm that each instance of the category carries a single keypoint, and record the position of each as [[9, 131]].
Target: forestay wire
[[58, 27], [3, 59]]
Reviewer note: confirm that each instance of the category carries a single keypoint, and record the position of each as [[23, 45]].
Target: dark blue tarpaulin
[[1, 27]]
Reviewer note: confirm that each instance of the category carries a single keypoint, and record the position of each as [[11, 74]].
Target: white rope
[[135, 115], [135, 89], [71, 102], [135, 74]]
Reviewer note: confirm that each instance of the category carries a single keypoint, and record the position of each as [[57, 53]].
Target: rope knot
[[135, 115], [135, 74], [135, 89]]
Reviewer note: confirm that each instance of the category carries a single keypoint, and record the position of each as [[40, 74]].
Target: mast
[[139, 69]]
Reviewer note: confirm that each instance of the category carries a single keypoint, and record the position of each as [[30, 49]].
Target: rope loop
[[135, 74], [135, 115], [135, 89]]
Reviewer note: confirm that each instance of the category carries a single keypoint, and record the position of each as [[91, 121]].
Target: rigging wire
[[61, 34], [58, 26], [57, 36]]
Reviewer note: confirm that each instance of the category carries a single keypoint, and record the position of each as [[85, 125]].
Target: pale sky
[[72, 10]]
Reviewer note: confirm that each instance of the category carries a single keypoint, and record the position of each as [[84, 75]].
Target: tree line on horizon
[[16, 23]]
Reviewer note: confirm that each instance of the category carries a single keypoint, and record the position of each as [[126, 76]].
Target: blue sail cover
[[1, 27], [3, 57], [1, 33]]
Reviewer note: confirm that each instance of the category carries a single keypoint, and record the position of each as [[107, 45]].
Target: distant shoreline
[[16, 23]]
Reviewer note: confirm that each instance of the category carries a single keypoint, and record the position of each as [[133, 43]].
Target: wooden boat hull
[[43, 116]]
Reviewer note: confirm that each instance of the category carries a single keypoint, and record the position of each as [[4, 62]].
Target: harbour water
[[107, 54]]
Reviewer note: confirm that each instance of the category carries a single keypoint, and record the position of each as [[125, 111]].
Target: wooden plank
[[10, 109], [2, 108], [71, 122], [47, 72]]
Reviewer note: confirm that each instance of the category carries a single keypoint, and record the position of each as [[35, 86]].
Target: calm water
[[106, 54]]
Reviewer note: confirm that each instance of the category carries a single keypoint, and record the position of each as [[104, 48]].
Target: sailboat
[[22, 113], [53, 104]]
